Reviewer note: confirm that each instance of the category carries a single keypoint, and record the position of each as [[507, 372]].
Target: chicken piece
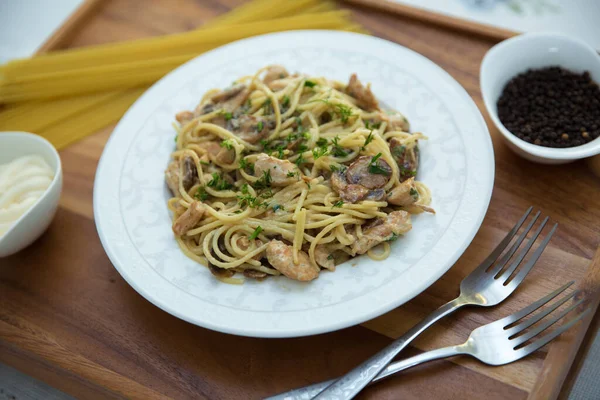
[[188, 219], [282, 172], [190, 175], [324, 257], [349, 193], [216, 153], [396, 223], [244, 244], [363, 95], [407, 159], [360, 172], [280, 256], [249, 128], [395, 121], [184, 117], [275, 72], [404, 194]]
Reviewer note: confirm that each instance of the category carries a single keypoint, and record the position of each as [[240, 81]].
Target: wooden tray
[[68, 318]]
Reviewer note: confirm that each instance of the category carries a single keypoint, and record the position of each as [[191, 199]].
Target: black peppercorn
[[551, 107]]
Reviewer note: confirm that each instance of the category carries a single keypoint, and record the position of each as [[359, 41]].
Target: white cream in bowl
[[30, 186]]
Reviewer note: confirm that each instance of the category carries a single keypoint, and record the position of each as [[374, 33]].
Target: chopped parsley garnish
[[244, 164], [256, 232], [342, 110], [322, 142], [309, 84], [338, 204], [227, 115], [251, 201], [277, 207], [237, 212], [302, 148], [300, 160], [330, 257], [260, 126], [376, 169], [201, 194], [279, 151], [292, 174], [398, 151], [264, 181], [369, 124], [406, 171], [414, 194], [393, 237], [306, 135], [319, 152], [286, 101], [219, 183], [333, 168], [228, 144], [176, 136], [267, 106], [336, 149], [204, 162], [368, 140], [308, 185]]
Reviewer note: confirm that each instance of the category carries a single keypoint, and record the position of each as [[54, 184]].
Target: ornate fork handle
[[309, 392], [354, 381]]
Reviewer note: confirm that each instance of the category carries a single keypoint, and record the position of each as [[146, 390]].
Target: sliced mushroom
[[361, 172], [280, 256], [404, 194], [249, 128], [190, 175], [352, 193], [254, 274], [396, 223], [363, 95], [282, 172], [228, 93], [220, 272], [407, 159], [188, 219], [275, 72]]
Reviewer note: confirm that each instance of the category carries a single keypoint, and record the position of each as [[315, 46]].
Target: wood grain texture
[[68, 318], [489, 31]]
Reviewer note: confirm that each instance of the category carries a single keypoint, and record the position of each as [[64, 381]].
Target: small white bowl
[[35, 221], [536, 50]]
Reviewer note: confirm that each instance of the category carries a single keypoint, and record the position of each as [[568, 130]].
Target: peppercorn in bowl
[[541, 91]]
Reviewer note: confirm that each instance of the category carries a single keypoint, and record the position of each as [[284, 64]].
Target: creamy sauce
[[22, 182]]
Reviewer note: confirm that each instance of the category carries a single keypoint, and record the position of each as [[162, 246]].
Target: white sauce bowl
[[536, 50], [34, 221]]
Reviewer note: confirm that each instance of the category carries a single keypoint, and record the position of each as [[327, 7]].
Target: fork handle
[[309, 392], [349, 385]]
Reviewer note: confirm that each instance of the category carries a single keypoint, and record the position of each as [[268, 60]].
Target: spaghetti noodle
[[288, 174]]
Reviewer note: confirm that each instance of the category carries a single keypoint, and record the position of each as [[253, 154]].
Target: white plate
[[135, 226]]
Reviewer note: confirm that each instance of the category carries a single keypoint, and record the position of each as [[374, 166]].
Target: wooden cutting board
[[68, 318]]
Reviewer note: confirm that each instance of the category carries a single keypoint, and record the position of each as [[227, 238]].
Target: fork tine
[[498, 267], [526, 324], [503, 244], [534, 306], [530, 348], [547, 324], [509, 271], [516, 281]]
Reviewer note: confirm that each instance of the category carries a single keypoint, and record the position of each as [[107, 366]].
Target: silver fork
[[496, 343], [486, 286]]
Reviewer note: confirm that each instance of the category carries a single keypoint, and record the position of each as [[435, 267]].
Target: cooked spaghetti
[[289, 174]]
